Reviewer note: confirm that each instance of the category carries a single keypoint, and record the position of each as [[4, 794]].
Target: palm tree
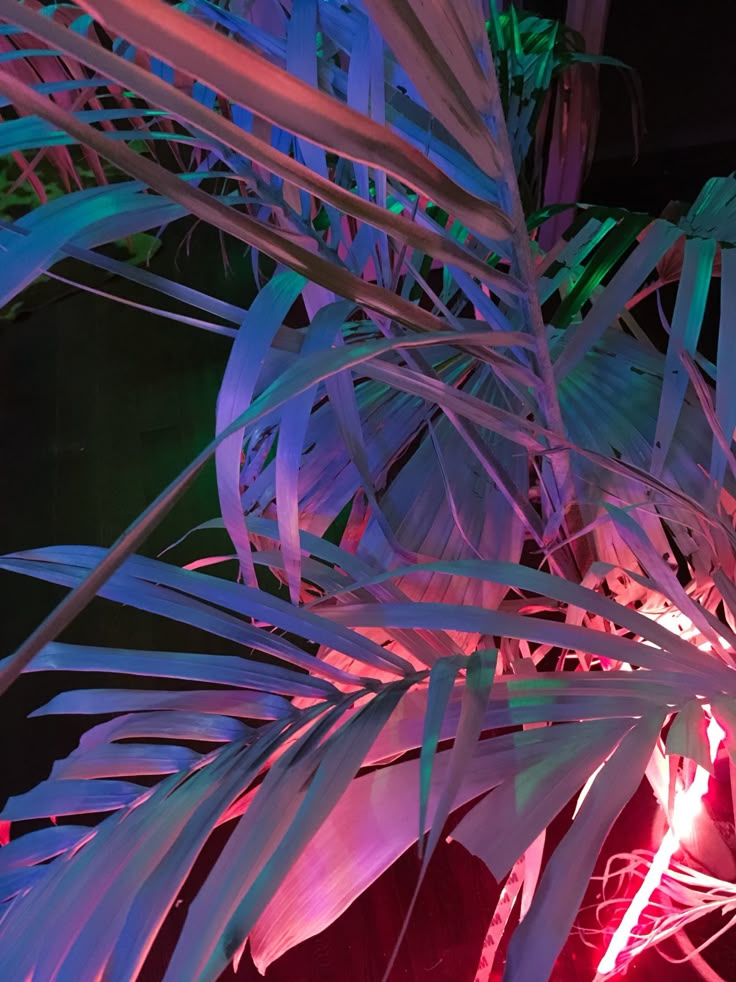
[[498, 517]]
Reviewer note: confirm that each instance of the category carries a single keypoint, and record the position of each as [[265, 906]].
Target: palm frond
[[468, 467]]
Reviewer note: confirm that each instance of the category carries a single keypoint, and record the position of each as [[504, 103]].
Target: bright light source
[[623, 932], [687, 807]]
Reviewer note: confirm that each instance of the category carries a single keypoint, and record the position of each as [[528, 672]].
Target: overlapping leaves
[[428, 417]]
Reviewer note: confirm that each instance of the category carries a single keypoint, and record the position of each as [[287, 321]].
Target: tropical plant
[[498, 517]]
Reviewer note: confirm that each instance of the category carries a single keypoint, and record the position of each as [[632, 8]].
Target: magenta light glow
[[687, 807]]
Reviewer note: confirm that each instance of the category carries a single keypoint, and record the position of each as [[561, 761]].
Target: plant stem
[[531, 312]]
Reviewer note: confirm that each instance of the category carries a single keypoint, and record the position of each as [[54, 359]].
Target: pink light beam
[[688, 806]]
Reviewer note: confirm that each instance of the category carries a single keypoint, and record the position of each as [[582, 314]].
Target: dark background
[[102, 406]]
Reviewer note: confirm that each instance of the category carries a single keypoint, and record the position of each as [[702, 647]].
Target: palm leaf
[[467, 443], [566, 876]]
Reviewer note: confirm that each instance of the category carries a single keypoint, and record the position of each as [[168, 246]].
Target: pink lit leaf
[[683, 655], [523, 807], [324, 550], [451, 617], [658, 569], [434, 46], [248, 352], [66, 78], [532, 860], [278, 797], [254, 863], [300, 377], [167, 725], [623, 371], [124, 760], [441, 683], [344, 28], [156, 845], [261, 235], [150, 280], [724, 710], [157, 587], [692, 293], [726, 378], [290, 103], [41, 845], [366, 93], [155, 885], [576, 114], [500, 920], [20, 881], [324, 330], [540, 936], [544, 698], [203, 119], [229, 670], [612, 300], [451, 518], [239, 703], [480, 672], [57, 224], [301, 63], [29, 133], [371, 826], [157, 600], [688, 737], [500, 421], [69, 797]]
